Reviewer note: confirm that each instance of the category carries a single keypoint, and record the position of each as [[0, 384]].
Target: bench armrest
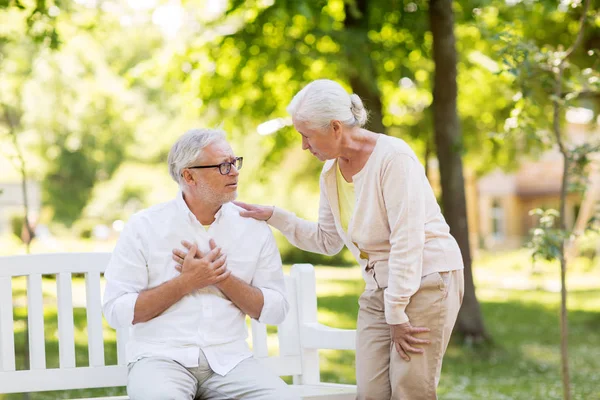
[[319, 336]]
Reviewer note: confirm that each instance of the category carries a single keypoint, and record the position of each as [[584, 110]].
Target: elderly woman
[[376, 200]]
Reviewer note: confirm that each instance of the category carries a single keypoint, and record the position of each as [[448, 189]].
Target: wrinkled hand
[[261, 213], [402, 336], [201, 270]]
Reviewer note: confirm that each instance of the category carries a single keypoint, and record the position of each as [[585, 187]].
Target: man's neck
[[203, 211]]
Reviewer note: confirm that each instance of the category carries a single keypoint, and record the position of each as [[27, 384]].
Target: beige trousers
[[381, 373], [158, 378]]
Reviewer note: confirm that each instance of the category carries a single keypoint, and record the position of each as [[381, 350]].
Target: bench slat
[[94, 319], [50, 264], [306, 287], [283, 366], [66, 331], [318, 336], [35, 317], [7, 337], [63, 379], [288, 332]]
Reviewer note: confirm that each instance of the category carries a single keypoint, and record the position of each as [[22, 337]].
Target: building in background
[[504, 200]]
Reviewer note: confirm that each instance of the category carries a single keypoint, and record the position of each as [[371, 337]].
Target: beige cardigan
[[397, 223]]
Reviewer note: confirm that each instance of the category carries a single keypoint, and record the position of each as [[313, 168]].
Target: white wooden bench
[[300, 336]]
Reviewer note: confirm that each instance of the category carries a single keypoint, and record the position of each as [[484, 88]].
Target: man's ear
[[188, 177]]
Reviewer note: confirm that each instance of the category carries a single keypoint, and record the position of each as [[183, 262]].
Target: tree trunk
[[448, 141], [362, 74], [564, 323]]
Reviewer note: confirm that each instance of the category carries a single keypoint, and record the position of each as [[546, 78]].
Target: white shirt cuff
[[123, 310], [273, 311]]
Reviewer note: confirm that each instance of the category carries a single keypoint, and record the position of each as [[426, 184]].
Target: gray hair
[[323, 101], [188, 148]]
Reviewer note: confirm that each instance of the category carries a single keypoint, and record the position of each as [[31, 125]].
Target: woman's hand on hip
[[261, 213], [404, 339]]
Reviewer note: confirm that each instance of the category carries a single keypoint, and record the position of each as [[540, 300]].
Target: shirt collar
[[328, 165], [185, 210]]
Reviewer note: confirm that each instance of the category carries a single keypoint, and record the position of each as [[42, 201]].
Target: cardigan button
[[363, 255]]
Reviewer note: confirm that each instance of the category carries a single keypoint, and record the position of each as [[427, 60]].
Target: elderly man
[[186, 313]]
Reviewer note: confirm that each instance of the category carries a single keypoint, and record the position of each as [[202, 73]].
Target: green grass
[[520, 306]]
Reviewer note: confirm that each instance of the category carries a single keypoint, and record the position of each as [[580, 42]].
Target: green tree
[[80, 106], [549, 80]]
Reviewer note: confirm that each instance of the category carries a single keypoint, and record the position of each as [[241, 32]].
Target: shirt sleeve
[[270, 280], [126, 276], [317, 237], [403, 194]]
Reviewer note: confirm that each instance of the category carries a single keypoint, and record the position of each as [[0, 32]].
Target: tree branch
[[582, 93], [12, 130], [579, 38]]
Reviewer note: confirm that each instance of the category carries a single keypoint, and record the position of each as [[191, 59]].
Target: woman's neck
[[357, 146]]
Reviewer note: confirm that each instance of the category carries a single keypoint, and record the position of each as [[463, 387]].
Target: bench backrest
[[291, 360]]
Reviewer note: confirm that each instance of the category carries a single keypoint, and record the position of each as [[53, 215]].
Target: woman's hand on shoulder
[[261, 213]]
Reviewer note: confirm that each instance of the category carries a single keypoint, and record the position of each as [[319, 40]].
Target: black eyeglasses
[[224, 168]]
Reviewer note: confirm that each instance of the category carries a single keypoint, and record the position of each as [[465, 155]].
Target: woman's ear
[[336, 126]]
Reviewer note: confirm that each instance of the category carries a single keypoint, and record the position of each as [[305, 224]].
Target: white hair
[[188, 148], [323, 101]]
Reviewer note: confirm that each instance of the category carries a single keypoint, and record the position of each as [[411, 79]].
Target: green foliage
[[75, 109], [39, 17], [71, 170], [579, 165], [547, 239], [549, 80], [98, 99], [17, 221], [589, 245]]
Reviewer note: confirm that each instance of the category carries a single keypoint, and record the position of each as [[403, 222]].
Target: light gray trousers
[[159, 378]]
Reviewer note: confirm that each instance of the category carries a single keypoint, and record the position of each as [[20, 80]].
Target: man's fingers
[[179, 268], [223, 276], [192, 253], [188, 245], [401, 352], [212, 255], [221, 269], [219, 262], [179, 253], [177, 259], [212, 244], [414, 340]]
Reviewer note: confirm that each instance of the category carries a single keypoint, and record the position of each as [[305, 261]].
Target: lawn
[[520, 306]]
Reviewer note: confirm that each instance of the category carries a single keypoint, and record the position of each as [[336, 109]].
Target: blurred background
[[488, 93]]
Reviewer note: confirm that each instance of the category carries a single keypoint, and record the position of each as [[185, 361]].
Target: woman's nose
[[305, 145]]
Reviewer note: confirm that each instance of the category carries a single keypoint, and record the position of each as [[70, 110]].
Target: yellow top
[[346, 198]]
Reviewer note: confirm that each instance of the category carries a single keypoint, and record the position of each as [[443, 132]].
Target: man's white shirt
[[204, 319]]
